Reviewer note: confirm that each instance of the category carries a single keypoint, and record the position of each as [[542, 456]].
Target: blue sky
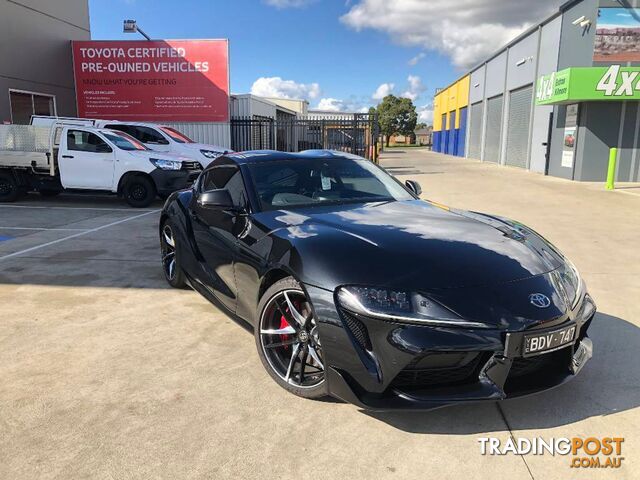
[[335, 53]]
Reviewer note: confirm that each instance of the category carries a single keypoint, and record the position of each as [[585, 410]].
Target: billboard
[[162, 81], [586, 84], [617, 35]]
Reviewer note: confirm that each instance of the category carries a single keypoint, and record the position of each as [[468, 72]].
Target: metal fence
[[357, 134]]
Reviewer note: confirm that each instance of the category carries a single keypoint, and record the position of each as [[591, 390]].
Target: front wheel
[[170, 260], [9, 189], [288, 342], [139, 191]]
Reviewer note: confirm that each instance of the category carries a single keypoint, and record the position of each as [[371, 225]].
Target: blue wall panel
[[451, 145]]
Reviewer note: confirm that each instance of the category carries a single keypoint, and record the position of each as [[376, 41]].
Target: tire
[[274, 327], [139, 191], [173, 273], [49, 193], [9, 188]]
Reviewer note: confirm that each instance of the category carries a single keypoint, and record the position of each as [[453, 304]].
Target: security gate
[[475, 130], [357, 134], [493, 136], [518, 127]]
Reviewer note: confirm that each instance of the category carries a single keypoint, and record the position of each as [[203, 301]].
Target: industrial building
[[36, 73], [556, 99]]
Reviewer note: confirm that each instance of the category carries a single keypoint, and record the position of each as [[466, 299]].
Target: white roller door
[[494, 130], [518, 127], [475, 129]]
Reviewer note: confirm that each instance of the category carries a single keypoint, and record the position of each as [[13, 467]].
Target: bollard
[[611, 173]]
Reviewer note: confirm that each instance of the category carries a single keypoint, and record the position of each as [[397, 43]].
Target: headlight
[[401, 306], [166, 164], [571, 282], [211, 153]]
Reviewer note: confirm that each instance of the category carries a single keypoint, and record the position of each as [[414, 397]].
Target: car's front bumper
[[381, 365], [169, 181]]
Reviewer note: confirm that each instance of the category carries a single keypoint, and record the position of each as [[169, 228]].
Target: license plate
[[537, 343]]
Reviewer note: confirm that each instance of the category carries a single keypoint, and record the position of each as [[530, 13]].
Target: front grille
[[191, 166], [357, 329], [464, 372]]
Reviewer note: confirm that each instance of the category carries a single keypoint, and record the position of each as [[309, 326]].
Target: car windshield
[[176, 135], [297, 183], [124, 141]]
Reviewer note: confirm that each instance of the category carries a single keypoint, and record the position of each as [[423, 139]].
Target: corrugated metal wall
[[494, 124], [475, 132], [211, 133], [518, 127]]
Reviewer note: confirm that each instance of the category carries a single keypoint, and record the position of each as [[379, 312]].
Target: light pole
[[130, 26]]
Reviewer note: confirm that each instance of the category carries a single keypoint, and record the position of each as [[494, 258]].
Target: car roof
[[259, 156]]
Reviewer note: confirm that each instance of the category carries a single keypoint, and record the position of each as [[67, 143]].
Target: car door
[[216, 231], [86, 161]]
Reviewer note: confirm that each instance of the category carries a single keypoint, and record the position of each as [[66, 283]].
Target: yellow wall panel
[[450, 99]]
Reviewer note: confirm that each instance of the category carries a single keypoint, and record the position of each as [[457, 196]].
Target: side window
[[147, 135], [82, 141], [120, 128], [228, 177]]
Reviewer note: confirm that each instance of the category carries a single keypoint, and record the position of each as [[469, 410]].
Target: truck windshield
[[176, 135], [124, 141]]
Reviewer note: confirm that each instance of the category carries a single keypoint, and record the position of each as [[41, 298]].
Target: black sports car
[[358, 289]]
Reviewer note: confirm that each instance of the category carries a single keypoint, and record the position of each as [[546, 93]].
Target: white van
[[79, 157], [161, 138]]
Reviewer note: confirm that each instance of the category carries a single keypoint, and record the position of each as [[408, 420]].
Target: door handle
[[67, 156]]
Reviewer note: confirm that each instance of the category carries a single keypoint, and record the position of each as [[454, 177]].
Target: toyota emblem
[[539, 300]]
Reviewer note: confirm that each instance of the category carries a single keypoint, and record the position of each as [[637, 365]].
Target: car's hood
[[147, 154], [204, 146], [412, 244]]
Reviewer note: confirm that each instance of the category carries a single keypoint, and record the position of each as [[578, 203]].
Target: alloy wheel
[[168, 252], [289, 339]]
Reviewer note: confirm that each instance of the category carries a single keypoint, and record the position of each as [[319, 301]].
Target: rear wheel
[[139, 191], [9, 189], [170, 260], [288, 342]]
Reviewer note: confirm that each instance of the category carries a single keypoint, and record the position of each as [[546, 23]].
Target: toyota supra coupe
[[358, 289]]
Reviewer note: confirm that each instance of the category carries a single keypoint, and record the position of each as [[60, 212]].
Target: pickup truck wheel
[[9, 189], [139, 191]]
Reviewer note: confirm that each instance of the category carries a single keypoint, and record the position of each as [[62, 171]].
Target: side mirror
[[414, 186], [220, 198]]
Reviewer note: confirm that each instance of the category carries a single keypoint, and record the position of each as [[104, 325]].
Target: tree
[[397, 116]]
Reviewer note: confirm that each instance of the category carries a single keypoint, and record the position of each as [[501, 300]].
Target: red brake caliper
[[284, 324]]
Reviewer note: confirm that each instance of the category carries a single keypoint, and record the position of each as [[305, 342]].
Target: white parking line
[[45, 229], [76, 208], [76, 235]]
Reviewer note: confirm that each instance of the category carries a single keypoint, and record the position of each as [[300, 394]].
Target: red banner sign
[[165, 80]]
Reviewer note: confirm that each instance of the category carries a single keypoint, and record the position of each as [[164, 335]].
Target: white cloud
[[288, 3], [351, 104], [331, 105], [414, 60], [425, 114], [467, 33], [415, 88], [382, 91], [277, 87]]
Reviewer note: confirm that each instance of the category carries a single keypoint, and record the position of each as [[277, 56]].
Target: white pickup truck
[[161, 138], [78, 157]]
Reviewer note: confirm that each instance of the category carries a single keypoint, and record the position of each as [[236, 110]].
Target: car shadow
[[608, 384]]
